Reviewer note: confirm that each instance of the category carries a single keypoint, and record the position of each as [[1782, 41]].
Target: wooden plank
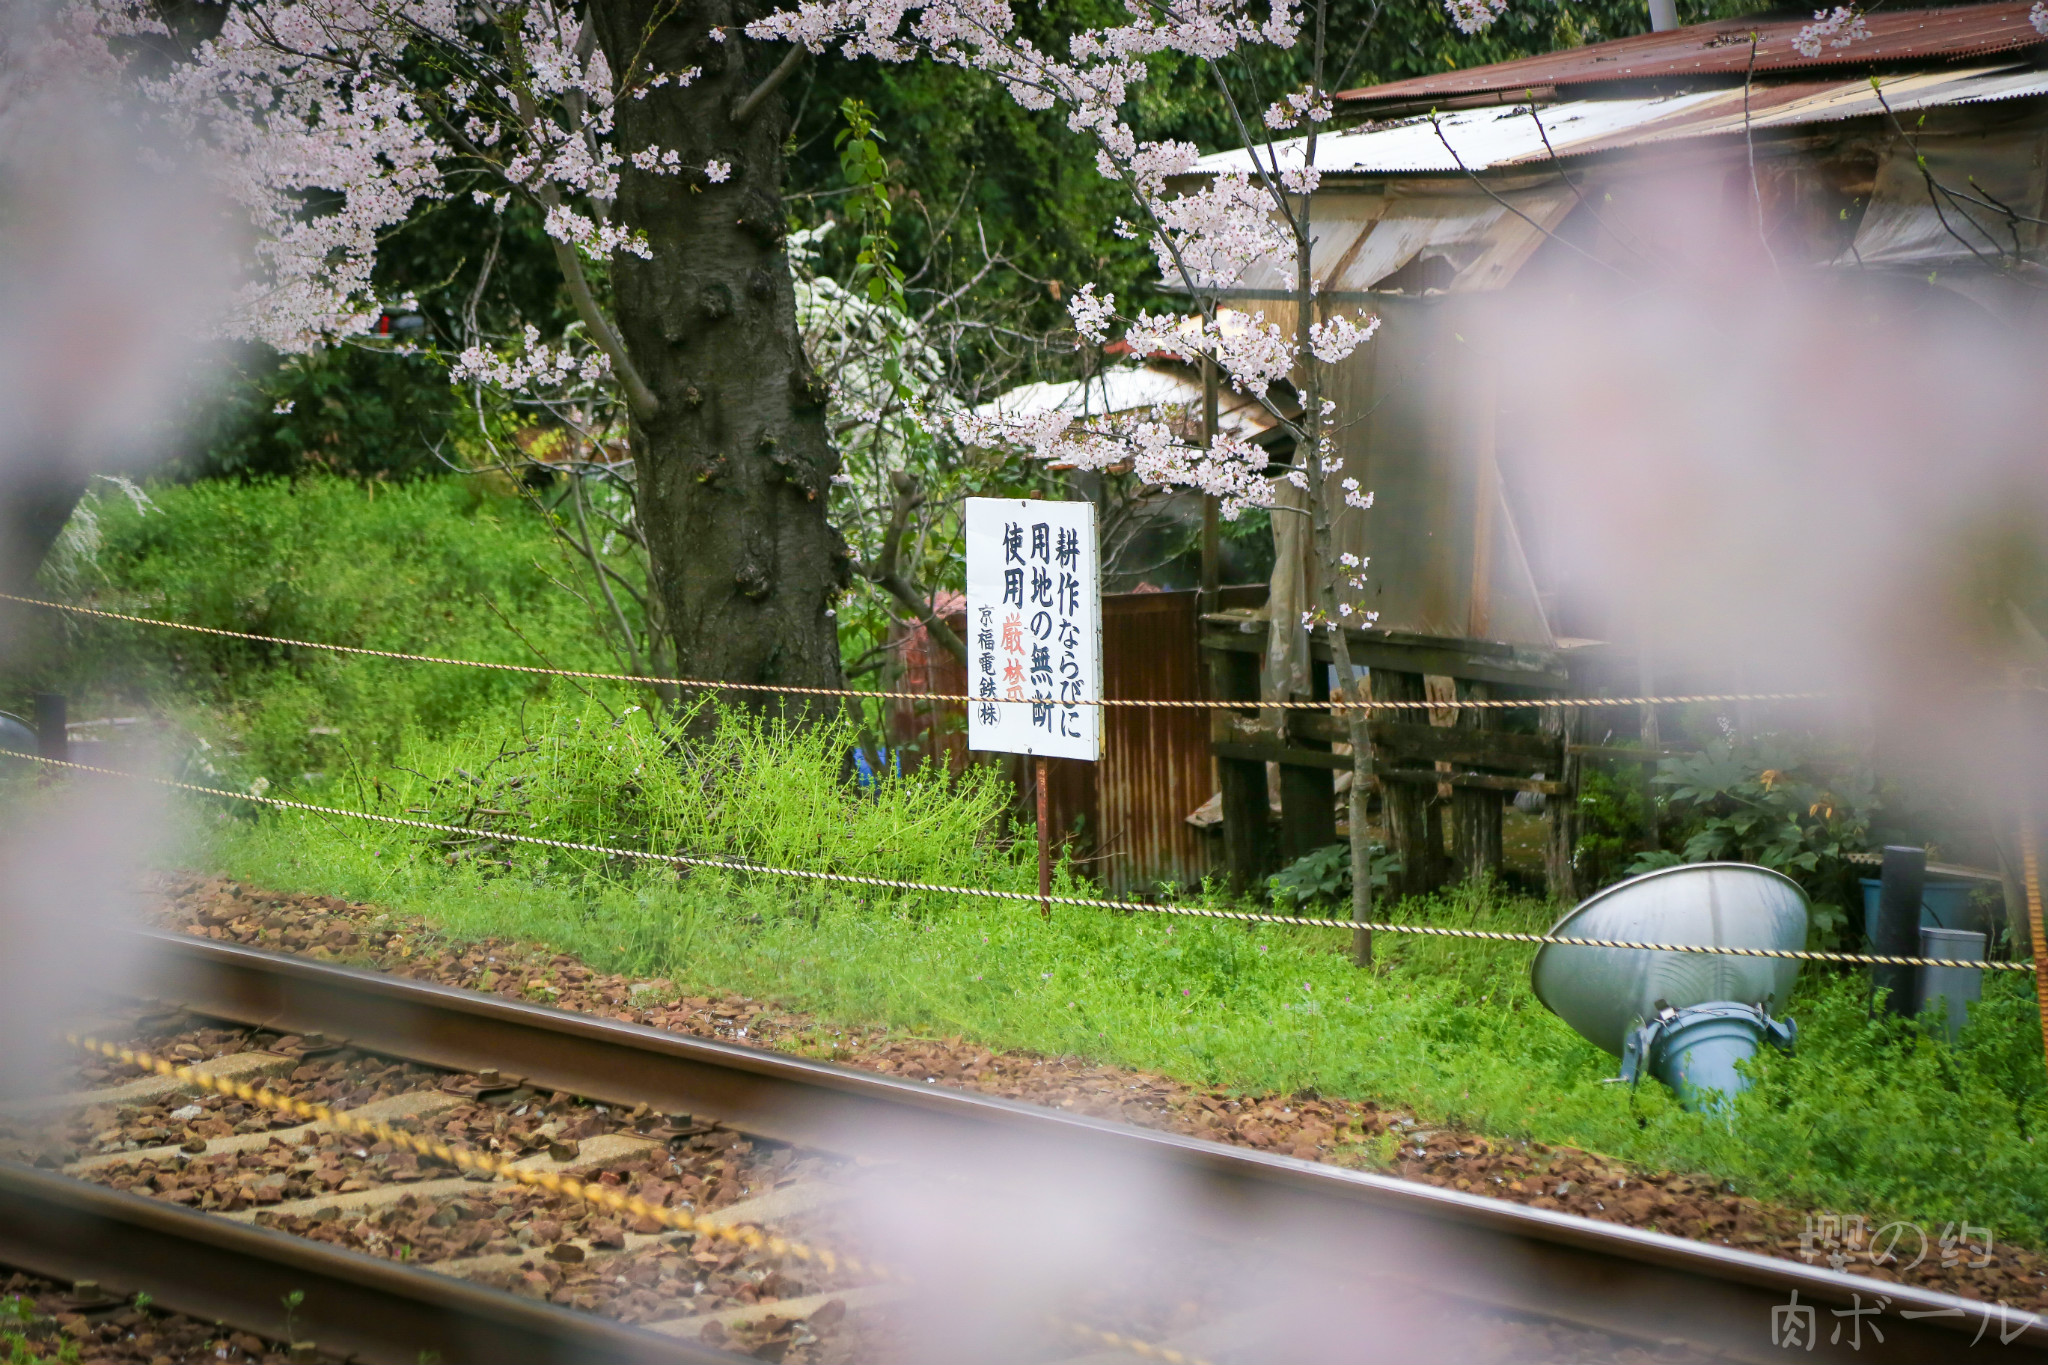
[[1395, 740], [1287, 755], [1280, 753], [1233, 642], [1454, 659], [1491, 782], [1616, 754], [1487, 661], [1466, 748]]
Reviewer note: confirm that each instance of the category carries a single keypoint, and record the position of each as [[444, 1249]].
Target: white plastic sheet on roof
[[1910, 225], [1500, 136], [1130, 388]]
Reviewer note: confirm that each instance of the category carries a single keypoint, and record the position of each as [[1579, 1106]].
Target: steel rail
[[350, 1305], [1513, 1259]]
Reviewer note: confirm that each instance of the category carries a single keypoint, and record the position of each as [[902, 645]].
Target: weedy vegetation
[[1870, 1115]]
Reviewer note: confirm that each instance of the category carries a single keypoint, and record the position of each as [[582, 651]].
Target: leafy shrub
[[1323, 877], [1775, 805], [1613, 824]]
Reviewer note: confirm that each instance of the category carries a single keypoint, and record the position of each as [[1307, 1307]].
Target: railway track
[[994, 1215]]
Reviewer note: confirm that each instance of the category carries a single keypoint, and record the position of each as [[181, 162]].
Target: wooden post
[[1476, 814], [1561, 812], [53, 733], [1248, 846], [1903, 880], [1646, 680], [1044, 846], [1308, 796], [1413, 825]]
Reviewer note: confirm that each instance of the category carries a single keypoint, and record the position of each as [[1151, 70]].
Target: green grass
[[435, 567], [1866, 1117]]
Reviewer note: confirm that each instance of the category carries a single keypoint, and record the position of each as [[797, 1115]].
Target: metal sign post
[[1034, 625]]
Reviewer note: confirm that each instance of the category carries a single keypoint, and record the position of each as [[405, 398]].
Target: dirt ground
[[1305, 1125]]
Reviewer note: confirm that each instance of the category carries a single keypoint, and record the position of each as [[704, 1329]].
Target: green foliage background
[[954, 139]]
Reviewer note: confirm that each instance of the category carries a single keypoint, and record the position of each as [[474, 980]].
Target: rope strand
[[957, 698], [1031, 897]]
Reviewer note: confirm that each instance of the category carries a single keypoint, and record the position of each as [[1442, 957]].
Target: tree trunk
[[34, 505], [735, 466]]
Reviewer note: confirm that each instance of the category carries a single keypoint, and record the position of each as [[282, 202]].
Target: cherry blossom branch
[[1936, 191], [1756, 187], [1473, 176], [886, 571], [744, 111], [570, 262], [1578, 194]]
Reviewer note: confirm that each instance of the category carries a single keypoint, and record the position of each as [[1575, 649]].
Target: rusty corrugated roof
[[1722, 49]]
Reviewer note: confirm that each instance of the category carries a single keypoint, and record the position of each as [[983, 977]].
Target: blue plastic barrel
[[1944, 904]]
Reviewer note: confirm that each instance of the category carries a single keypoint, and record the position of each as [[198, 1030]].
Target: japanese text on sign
[[1034, 613]]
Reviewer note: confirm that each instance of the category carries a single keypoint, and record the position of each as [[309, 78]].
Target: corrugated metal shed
[[1723, 50], [1360, 239], [1530, 135]]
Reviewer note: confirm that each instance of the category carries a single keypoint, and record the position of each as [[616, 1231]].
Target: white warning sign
[[1034, 628]]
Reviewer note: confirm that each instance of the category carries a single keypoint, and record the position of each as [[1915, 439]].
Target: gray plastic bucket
[[1959, 987], [17, 736], [1697, 1055]]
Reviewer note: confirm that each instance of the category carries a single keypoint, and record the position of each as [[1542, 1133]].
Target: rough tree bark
[[34, 505], [35, 502], [734, 461]]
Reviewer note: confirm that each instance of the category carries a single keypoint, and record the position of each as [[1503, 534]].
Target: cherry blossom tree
[[649, 133], [1206, 230]]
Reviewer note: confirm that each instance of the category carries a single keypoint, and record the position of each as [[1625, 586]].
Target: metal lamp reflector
[[1658, 1007]]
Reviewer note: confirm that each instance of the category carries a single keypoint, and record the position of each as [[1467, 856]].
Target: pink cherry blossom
[[1838, 28]]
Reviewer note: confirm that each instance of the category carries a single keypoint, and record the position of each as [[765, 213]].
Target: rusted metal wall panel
[[1123, 818], [1155, 766], [925, 730]]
